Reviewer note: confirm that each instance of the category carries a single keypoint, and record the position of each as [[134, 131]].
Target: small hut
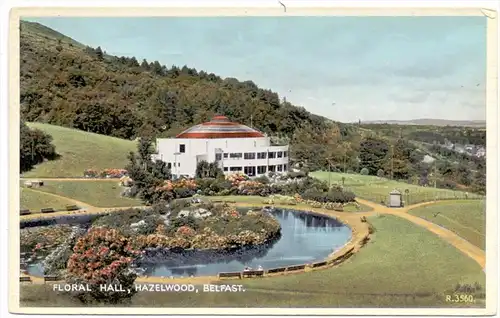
[[33, 183], [395, 199]]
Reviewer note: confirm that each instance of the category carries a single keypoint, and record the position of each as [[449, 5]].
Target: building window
[[182, 148], [169, 165], [249, 171], [218, 156], [175, 163], [280, 168], [285, 154], [178, 164], [280, 154], [261, 169], [225, 168], [225, 155], [272, 155], [272, 168], [261, 155], [249, 155], [235, 155], [235, 169], [285, 167]]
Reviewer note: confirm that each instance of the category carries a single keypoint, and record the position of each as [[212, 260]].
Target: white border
[[276, 9]]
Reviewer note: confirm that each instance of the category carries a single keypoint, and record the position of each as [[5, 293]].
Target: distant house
[[428, 159]]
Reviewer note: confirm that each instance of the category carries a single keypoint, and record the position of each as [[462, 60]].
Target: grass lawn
[[403, 266], [260, 200], [377, 189], [467, 218], [34, 200], [79, 151], [96, 193]]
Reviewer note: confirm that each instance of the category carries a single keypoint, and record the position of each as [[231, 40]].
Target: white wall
[[206, 149]]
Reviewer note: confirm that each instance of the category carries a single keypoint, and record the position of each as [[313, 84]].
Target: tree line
[[87, 89]]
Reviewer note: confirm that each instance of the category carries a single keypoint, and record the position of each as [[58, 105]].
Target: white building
[[235, 147]]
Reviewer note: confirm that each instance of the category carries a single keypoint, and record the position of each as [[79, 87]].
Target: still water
[[305, 238]]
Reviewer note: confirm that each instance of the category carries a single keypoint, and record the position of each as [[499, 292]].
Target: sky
[[344, 68]]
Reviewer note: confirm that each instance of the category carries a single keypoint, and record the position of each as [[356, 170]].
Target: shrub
[[183, 192], [187, 221], [314, 194], [380, 173], [262, 179], [298, 174], [364, 171], [102, 257]]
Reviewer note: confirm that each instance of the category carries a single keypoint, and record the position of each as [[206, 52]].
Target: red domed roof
[[220, 127]]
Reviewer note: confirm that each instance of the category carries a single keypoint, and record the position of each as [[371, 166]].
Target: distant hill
[[66, 83], [94, 97], [431, 122], [40, 31]]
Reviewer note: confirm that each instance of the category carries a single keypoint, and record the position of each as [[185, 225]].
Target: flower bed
[[240, 184], [38, 239], [189, 225], [106, 173], [297, 199]]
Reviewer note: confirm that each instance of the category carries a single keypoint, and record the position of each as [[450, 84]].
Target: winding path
[[352, 219], [464, 246]]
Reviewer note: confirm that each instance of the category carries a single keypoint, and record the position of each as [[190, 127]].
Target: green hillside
[[377, 189], [35, 30], [79, 151], [65, 83]]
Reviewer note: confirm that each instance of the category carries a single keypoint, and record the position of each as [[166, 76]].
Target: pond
[[305, 238]]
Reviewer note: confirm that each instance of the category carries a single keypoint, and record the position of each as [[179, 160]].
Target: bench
[[229, 275], [318, 264], [47, 210], [295, 268], [25, 212], [25, 279], [50, 278], [72, 208], [258, 273], [276, 270], [364, 240]]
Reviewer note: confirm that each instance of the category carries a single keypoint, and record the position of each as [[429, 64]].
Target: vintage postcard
[[285, 161]]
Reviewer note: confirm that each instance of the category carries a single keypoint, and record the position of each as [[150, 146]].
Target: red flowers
[[106, 173], [185, 230], [101, 255]]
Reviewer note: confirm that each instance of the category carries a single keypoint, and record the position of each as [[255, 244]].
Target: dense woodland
[[66, 83]]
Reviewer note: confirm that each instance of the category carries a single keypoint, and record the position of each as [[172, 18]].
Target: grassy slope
[[376, 189], [30, 28], [96, 193], [79, 151], [34, 201], [416, 270], [467, 219]]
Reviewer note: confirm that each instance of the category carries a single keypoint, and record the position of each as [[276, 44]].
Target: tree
[[146, 173], [398, 160], [208, 170], [145, 65], [102, 258], [35, 147], [373, 154], [99, 53]]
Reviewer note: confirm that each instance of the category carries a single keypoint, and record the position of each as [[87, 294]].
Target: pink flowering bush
[[102, 257]]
